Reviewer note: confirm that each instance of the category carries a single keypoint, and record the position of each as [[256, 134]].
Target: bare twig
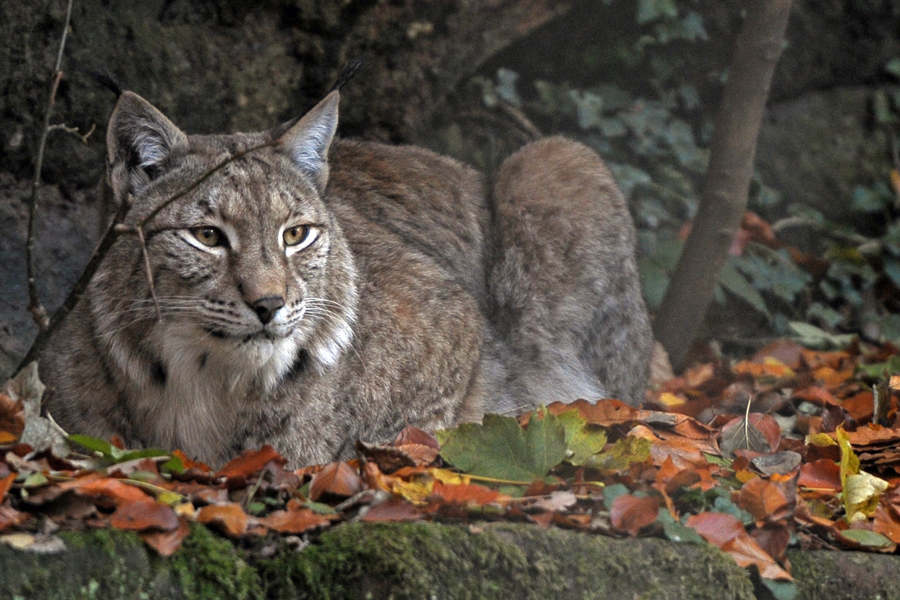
[[83, 137], [149, 272], [34, 302]]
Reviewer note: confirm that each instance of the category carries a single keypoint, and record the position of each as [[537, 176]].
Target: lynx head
[[250, 268]]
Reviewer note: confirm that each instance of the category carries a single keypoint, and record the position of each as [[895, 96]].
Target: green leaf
[[893, 67], [611, 492], [677, 531], [781, 590], [870, 539], [892, 270], [882, 369], [110, 452], [650, 10], [735, 282], [813, 337], [624, 452], [102, 447], [582, 440], [174, 464], [500, 449]]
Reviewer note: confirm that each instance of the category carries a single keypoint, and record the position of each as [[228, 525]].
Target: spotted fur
[[311, 291]]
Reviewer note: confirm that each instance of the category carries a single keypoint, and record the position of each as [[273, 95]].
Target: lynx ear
[[307, 142], [139, 138]]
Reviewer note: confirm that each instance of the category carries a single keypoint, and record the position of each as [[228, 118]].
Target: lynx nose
[[267, 307]]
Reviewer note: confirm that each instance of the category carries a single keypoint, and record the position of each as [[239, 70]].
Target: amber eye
[[294, 236], [208, 236]]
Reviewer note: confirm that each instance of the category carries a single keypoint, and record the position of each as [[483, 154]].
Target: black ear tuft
[[348, 72], [105, 78]]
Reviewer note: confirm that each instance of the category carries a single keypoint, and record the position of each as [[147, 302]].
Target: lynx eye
[[208, 236], [299, 236]]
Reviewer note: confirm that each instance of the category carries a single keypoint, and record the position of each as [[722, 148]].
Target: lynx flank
[[314, 291]]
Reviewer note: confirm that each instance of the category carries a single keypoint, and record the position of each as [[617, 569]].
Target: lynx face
[[250, 272], [240, 267]]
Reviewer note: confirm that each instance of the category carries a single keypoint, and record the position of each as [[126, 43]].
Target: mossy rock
[[498, 561], [420, 560]]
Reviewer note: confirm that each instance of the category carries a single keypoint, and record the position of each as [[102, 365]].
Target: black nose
[[267, 307]]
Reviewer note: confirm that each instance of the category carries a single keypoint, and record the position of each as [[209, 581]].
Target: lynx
[[306, 291]]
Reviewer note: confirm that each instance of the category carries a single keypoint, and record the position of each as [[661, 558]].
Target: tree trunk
[[724, 196]]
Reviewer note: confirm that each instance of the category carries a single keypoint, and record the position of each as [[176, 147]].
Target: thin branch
[[149, 272], [74, 131], [35, 307]]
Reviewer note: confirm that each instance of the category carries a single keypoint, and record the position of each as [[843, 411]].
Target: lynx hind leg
[[567, 302]]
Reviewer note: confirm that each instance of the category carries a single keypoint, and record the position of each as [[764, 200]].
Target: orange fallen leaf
[[772, 368], [604, 412], [465, 494], [144, 514], [230, 518], [393, 509], [764, 500], [822, 474], [294, 520], [250, 463], [728, 533], [10, 517], [167, 542], [631, 514], [96, 484], [12, 419], [832, 378], [5, 484], [335, 479]]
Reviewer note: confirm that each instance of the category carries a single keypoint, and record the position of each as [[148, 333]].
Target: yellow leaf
[[861, 494], [774, 362], [185, 509], [820, 439], [449, 477], [415, 491], [895, 181], [670, 399]]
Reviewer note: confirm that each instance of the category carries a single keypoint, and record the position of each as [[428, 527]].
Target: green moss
[[502, 561], [210, 567], [97, 565]]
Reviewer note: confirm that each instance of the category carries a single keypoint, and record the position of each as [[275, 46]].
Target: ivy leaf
[[501, 449]]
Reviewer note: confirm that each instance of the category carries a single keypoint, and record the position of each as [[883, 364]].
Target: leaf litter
[[750, 456]]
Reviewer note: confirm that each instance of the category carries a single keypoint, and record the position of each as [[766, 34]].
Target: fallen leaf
[[631, 514], [230, 518], [822, 474], [249, 463], [764, 500], [335, 479], [98, 485], [12, 419], [465, 494], [393, 509], [167, 542], [500, 449], [294, 521], [6, 484], [728, 533], [144, 514]]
